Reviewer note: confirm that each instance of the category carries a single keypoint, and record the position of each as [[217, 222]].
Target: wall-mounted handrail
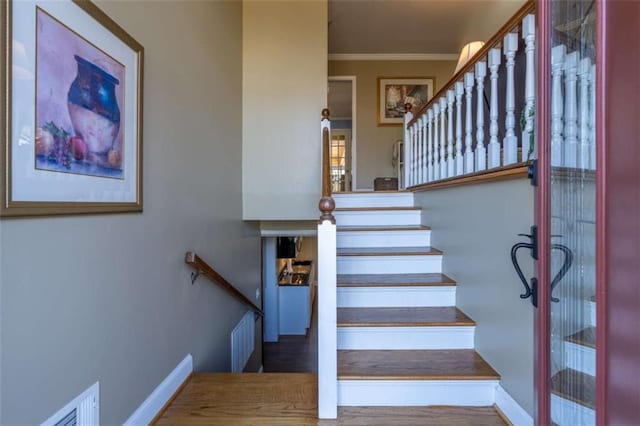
[[203, 268]]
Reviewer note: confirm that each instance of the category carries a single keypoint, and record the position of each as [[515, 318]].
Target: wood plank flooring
[[387, 251], [394, 317], [458, 364], [394, 280], [291, 399]]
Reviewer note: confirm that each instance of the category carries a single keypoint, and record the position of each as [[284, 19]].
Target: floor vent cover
[[82, 411]]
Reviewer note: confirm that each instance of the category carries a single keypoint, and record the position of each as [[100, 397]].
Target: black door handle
[[530, 288], [566, 264]]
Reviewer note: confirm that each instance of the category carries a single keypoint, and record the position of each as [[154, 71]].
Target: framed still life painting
[[72, 123], [394, 93]]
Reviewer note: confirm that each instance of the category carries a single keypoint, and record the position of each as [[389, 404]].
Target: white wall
[[475, 226], [109, 298], [284, 91]]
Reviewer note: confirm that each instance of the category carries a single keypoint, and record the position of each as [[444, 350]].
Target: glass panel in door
[[572, 208], [340, 161]]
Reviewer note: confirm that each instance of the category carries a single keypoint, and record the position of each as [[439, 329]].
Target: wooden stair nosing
[[433, 279], [388, 251], [445, 316]]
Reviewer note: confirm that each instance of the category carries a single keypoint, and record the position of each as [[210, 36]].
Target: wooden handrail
[[202, 267], [327, 205], [527, 8]]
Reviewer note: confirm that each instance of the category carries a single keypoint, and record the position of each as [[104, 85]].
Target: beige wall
[[109, 298], [374, 145], [284, 91], [475, 226]]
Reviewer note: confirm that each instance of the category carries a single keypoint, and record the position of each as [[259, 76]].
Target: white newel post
[[571, 110], [557, 104], [459, 88], [436, 141], [430, 145], [495, 57], [510, 144], [592, 100], [408, 116], [585, 117], [481, 151], [529, 36], [443, 141], [468, 138], [450, 160]]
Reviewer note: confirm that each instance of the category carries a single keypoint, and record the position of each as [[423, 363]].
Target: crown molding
[[393, 56]]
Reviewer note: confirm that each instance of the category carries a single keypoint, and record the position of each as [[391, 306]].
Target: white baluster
[[495, 58], [424, 148], [430, 145], [419, 151], [481, 150], [529, 36], [450, 160], [443, 141], [468, 138], [436, 141], [585, 118], [459, 89], [414, 142], [557, 104], [408, 116], [571, 110], [592, 97], [510, 143]]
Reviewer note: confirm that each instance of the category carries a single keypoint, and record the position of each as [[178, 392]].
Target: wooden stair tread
[[575, 386], [388, 251], [585, 337], [457, 364], [402, 317], [365, 209], [430, 415], [365, 228], [394, 280]]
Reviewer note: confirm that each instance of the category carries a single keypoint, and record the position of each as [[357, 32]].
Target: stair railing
[[327, 270], [449, 136]]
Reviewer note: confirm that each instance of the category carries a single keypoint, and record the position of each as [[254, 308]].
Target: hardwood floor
[[392, 317], [291, 400]]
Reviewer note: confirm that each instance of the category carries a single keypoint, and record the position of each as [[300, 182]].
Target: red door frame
[[617, 213]]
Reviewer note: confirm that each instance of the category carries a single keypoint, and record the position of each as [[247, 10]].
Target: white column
[[592, 97], [585, 117], [510, 144], [419, 158], [459, 89], [407, 149], [571, 110], [468, 138], [529, 36], [557, 104], [327, 325], [423, 173], [436, 141], [430, 145], [495, 57], [443, 141], [481, 150], [450, 160]]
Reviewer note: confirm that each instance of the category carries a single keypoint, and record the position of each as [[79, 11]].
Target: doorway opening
[[341, 101]]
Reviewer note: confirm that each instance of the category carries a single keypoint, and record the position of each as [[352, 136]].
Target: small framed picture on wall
[[395, 92]]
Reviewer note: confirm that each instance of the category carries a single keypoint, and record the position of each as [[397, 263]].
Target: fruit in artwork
[[44, 141], [114, 158], [78, 148]]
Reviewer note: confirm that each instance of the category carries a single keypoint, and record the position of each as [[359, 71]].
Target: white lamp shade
[[467, 53]]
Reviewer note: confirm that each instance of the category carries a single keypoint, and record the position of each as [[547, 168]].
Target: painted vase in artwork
[[93, 107]]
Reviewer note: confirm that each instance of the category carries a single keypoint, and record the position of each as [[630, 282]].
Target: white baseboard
[[161, 394], [261, 369], [510, 408]]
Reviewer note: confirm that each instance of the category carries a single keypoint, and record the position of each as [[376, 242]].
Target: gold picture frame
[[395, 92], [29, 189]]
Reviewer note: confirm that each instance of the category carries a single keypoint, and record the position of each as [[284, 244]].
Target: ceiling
[[417, 26]]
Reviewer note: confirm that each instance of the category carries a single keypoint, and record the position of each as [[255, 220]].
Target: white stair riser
[[416, 238], [377, 217], [397, 297], [348, 265], [346, 201], [592, 311], [407, 338], [567, 413], [416, 392], [580, 358]]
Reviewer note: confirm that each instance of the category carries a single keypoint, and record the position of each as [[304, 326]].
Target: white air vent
[[84, 410], [242, 342]]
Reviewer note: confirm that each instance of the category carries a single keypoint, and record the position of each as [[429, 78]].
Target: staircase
[[401, 340]]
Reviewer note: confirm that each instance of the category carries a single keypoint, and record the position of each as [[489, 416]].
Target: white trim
[[580, 358], [412, 264], [565, 412], [396, 297], [162, 394], [416, 392], [377, 217], [354, 99], [406, 338], [261, 369], [386, 238], [373, 199], [511, 409], [393, 56]]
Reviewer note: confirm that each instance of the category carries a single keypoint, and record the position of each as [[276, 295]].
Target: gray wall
[[475, 226], [108, 298]]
